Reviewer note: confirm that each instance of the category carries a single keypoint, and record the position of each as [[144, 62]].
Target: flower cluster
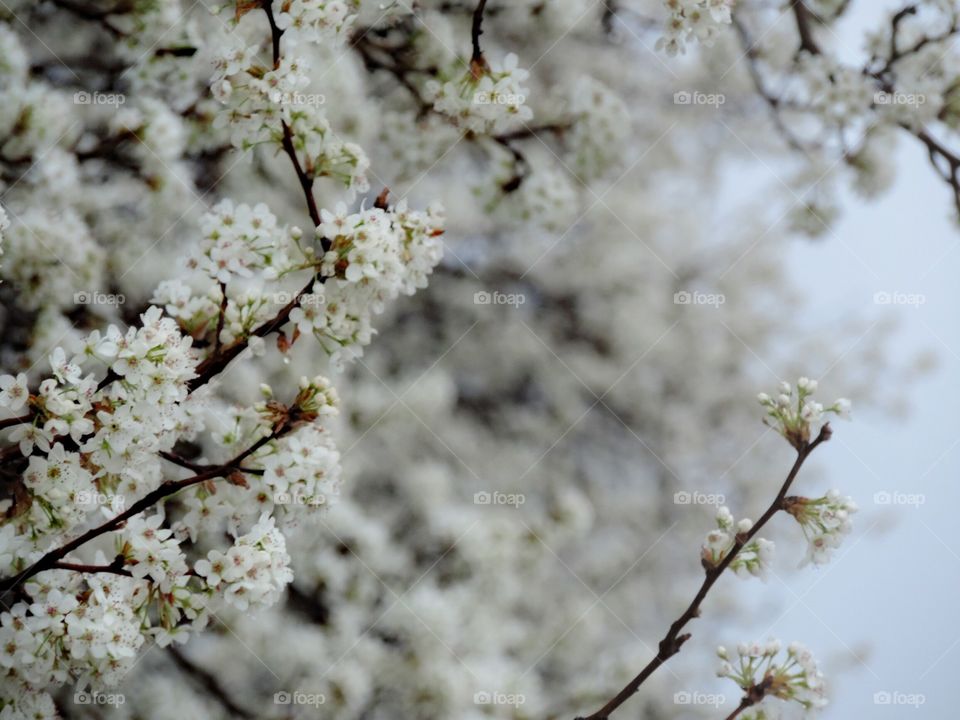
[[51, 257], [254, 571], [795, 415], [237, 240], [150, 550], [261, 99], [374, 255], [56, 637], [485, 98], [693, 19], [758, 671], [824, 520], [600, 128], [753, 559], [315, 20]]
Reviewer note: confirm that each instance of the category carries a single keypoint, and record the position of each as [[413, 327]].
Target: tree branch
[[804, 20], [673, 641], [166, 489], [209, 682], [475, 32]]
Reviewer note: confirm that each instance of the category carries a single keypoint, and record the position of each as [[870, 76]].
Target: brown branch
[[772, 101], [754, 696], [306, 181], [116, 567], [744, 704], [476, 31], [673, 641], [99, 16], [938, 152], [166, 489], [209, 682], [804, 20], [10, 422], [221, 318]]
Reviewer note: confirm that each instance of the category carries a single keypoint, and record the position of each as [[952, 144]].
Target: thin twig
[[209, 682], [804, 20], [166, 489], [673, 641]]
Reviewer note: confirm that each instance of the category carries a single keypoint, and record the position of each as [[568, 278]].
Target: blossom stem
[[744, 704], [673, 641], [306, 181]]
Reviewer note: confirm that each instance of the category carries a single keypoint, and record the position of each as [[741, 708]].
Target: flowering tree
[[213, 235]]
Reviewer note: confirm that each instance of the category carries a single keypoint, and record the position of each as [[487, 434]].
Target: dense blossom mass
[[208, 217]]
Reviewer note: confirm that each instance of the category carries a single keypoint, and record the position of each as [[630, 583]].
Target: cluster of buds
[[795, 415], [759, 673], [753, 559], [316, 398], [824, 520]]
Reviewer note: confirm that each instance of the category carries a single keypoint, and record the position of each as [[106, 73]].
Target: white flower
[[754, 558], [252, 572], [797, 416], [825, 522], [484, 98], [13, 391], [757, 668]]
